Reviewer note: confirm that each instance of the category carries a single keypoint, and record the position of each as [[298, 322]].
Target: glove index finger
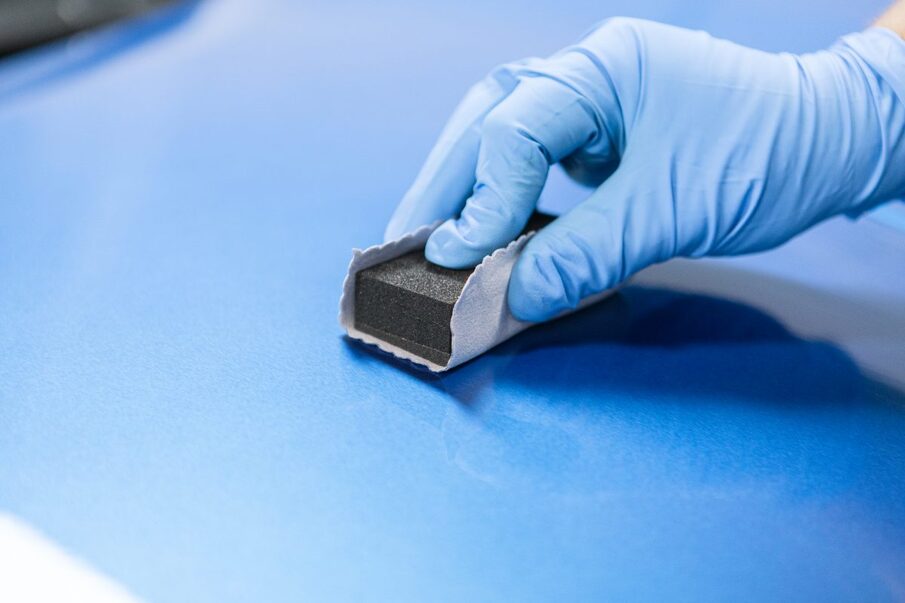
[[538, 124], [448, 175]]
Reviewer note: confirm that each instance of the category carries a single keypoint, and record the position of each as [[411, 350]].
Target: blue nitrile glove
[[697, 146]]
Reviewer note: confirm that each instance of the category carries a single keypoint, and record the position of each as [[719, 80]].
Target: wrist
[[894, 19]]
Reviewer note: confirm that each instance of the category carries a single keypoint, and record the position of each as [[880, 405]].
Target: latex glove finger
[[624, 226], [448, 175], [538, 124]]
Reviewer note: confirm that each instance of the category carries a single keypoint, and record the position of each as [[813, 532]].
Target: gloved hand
[[697, 146]]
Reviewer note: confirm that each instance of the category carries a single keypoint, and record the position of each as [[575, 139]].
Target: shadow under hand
[[659, 342]]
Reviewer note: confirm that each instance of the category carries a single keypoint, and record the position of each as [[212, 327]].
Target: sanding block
[[435, 317]]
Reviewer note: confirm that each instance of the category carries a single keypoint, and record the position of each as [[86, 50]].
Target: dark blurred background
[[28, 23]]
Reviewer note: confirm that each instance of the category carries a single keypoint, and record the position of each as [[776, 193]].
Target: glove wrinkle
[[696, 145]]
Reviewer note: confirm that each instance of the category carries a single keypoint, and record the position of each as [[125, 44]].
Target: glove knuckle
[[506, 124], [498, 124], [507, 74], [618, 34], [622, 27], [503, 129]]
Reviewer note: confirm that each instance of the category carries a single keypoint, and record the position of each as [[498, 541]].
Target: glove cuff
[[884, 51], [881, 53]]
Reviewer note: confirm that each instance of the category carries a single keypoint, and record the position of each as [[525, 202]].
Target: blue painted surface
[[178, 407]]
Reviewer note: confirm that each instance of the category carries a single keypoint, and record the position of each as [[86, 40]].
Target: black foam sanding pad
[[408, 301]]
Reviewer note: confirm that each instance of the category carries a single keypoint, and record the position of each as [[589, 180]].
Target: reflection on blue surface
[[891, 214], [684, 418]]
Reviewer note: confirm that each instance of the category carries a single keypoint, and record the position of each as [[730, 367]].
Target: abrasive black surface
[[408, 301], [412, 284]]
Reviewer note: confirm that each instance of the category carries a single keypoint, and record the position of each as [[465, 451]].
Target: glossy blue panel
[[178, 202]]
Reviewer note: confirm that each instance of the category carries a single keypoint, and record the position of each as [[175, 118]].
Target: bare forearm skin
[[894, 18]]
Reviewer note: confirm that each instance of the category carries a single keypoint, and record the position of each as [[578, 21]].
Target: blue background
[[178, 201]]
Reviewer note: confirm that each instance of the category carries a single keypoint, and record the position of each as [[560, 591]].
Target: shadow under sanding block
[[433, 316]]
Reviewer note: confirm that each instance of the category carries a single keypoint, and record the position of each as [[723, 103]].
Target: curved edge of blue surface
[[52, 62]]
